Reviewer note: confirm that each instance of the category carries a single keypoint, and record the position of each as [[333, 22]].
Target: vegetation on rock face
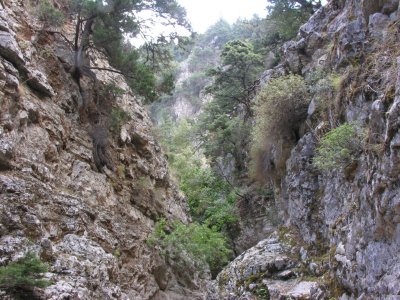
[[233, 86], [339, 147], [288, 15], [49, 15], [211, 201], [223, 128], [282, 106], [118, 118], [204, 244], [20, 277]]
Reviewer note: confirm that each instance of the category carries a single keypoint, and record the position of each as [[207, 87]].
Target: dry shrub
[[282, 106]]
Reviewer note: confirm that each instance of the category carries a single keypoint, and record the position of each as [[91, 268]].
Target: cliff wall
[[83, 197], [342, 225]]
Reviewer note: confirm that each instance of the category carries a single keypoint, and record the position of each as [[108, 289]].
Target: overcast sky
[[204, 13]]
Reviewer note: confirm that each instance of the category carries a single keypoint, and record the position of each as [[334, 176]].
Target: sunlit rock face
[[89, 222]]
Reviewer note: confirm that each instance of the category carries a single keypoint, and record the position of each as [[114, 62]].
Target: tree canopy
[[107, 26], [234, 78]]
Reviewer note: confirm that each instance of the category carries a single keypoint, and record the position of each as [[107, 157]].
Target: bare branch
[[110, 70]]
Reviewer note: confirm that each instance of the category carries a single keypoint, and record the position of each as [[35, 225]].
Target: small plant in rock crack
[[49, 15], [339, 147], [118, 118], [113, 90]]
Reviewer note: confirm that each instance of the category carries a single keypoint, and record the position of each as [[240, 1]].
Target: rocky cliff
[[344, 222], [81, 196]]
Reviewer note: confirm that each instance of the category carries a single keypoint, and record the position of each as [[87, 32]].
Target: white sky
[[204, 13]]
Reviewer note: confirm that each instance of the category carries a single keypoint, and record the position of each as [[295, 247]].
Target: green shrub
[[282, 106], [112, 90], [203, 244], [23, 275], [118, 118], [210, 197], [339, 147], [49, 15]]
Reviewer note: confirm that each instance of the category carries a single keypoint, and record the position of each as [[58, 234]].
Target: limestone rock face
[[355, 210], [349, 217], [90, 223]]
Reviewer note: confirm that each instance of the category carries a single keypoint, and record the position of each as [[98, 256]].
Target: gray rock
[[377, 24], [268, 260], [10, 50], [38, 81], [83, 223]]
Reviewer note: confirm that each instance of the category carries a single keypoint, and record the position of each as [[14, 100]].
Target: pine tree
[[106, 25]]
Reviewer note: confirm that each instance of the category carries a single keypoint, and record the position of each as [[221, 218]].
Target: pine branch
[[110, 70]]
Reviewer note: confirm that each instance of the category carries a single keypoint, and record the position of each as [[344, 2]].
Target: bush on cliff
[[339, 147], [49, 15], [282, 106], [22, 276]]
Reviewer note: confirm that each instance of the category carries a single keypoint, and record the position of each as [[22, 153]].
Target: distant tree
[[289, 15], [222, 127], [49, 15], [310, 5], [217, 35], [234, 80]]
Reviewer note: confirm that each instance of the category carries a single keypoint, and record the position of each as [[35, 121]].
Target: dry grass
[[282, 106]]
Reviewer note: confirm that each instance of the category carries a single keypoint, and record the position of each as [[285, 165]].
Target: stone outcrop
[[88, 221], [269, 270]]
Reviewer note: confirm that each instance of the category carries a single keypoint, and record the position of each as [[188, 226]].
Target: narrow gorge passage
[[255, 159]]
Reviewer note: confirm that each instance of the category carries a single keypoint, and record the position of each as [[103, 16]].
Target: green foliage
[[205, 245], [221, 135], [211, 199], [339, 147], [108, 23], [111, 89], [263, 293], [221, 127], [233, 80], [202, 59], [282, 106], [49, 15], [323, 86], [118, 118], [23, 274], [166, 83], [287, 17], [218, 34]]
